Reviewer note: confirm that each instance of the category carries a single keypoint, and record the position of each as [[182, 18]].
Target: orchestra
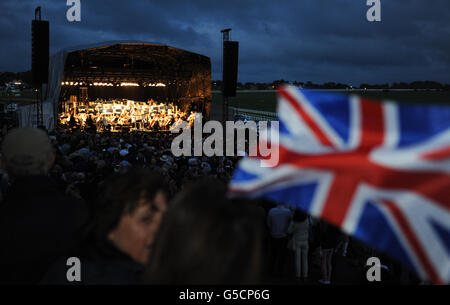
[[120, 115]]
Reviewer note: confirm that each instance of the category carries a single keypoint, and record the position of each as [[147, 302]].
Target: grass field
[[266, 100], [20, 97]]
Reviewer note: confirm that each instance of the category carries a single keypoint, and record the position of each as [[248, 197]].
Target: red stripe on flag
[[413, 241], [339, 198], [438, 154], [305, 116], [372, 125]]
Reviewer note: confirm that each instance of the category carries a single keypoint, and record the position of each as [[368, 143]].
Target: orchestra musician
[[137, 115]]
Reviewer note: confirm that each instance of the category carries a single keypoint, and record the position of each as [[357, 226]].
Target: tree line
[[416, 85], [26, 77]]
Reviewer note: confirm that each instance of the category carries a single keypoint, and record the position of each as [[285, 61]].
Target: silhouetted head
[[207, 239], [27, 152]]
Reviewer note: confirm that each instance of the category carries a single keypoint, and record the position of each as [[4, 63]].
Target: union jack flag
[[378, 170]]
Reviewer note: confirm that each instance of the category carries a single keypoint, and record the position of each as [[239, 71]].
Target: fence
[[253, 115]]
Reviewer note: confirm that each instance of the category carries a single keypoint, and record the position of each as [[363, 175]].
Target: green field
[[263, 101], [266, 100], [26, 96]]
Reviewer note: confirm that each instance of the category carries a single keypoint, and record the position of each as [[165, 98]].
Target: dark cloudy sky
[[316, 40]]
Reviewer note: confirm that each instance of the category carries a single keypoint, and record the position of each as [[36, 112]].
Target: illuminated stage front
[[123, 115], [133, 86]]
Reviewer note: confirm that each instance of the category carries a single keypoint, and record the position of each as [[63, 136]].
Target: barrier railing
[[253, 115]]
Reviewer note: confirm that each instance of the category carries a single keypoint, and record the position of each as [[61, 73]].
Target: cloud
[[317, 40]]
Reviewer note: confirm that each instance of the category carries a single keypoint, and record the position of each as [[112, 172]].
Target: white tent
[[27, 115]]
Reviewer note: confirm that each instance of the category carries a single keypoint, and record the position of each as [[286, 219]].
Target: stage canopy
[[130, 69]]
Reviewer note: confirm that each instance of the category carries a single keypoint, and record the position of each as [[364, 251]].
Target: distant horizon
[[445, 84]]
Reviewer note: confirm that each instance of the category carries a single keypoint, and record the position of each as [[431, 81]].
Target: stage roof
[[130, 61]]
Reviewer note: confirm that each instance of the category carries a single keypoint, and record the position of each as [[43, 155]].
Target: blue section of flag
[[420, 122], [335, 107], [443, 234], [283, 129], [299, 196], [373, 228], [241, 175]]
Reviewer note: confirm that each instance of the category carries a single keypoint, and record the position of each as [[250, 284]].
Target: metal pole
[[37, 107], [225, 109], [41, 110], [226, 37]]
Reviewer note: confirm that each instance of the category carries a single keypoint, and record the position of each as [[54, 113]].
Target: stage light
[[129, 84]]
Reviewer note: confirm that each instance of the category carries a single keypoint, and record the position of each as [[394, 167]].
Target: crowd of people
[[133, 213], [310, 251]]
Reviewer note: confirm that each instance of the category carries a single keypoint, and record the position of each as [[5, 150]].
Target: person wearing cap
[[38, 224]]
